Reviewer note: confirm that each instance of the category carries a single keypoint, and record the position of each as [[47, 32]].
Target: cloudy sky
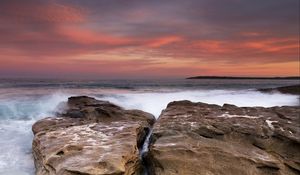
[[148, 38]]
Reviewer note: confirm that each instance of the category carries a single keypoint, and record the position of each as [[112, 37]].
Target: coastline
[[185, 131], [25, 103], [245, 78]]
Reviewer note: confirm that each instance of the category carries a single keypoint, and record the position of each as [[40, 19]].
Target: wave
[[30, 107], [16, 118], [155, 102]]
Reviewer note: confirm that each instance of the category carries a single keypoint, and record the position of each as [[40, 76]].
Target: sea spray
[[16, 118], [155, 102]]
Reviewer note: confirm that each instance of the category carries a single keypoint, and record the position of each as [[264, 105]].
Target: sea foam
[[155, 102], [16, 118]]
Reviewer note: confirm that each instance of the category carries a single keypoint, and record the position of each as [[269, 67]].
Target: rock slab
[[91, 138], [203, 139]]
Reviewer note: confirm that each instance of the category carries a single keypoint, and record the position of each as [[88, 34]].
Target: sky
[[148, 38]]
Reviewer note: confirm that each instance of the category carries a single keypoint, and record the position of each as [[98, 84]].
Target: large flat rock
[[92, 138], [202, 139]]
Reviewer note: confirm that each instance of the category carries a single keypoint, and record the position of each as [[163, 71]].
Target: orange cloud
[[274, 44], [212, 46], [257, 49], [273, 69], [158, 42], [87, 36]]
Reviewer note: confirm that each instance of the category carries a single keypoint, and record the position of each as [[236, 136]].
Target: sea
[[24, 101]]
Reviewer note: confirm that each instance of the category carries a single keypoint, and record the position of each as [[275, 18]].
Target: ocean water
[[23, 102]]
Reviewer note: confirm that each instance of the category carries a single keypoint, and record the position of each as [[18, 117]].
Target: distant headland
[[228, 77]]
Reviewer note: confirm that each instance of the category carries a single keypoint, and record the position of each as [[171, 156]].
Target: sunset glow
[[148, 39]]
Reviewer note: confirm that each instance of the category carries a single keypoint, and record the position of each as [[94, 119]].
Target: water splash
[[154, 102], [16, 118]]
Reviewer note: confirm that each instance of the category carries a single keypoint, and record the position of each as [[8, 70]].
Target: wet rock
[[203, 139], [294, 89], [90, 137]]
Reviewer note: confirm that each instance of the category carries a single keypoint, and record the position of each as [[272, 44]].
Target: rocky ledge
[[99, 138], [203, 139], [293, 89], [91, 137]]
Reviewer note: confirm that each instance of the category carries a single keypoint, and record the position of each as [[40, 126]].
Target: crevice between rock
[[144, 149]]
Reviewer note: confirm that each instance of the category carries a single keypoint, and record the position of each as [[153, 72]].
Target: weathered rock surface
[[99, 138], [294, 89], [91, 137], [202, 139]]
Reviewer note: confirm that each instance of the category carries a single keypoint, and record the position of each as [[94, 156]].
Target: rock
[[293, 90], [91, 137], [203, 139]]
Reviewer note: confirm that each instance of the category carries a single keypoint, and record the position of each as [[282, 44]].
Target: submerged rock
[[203, 139], [91, 137]]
